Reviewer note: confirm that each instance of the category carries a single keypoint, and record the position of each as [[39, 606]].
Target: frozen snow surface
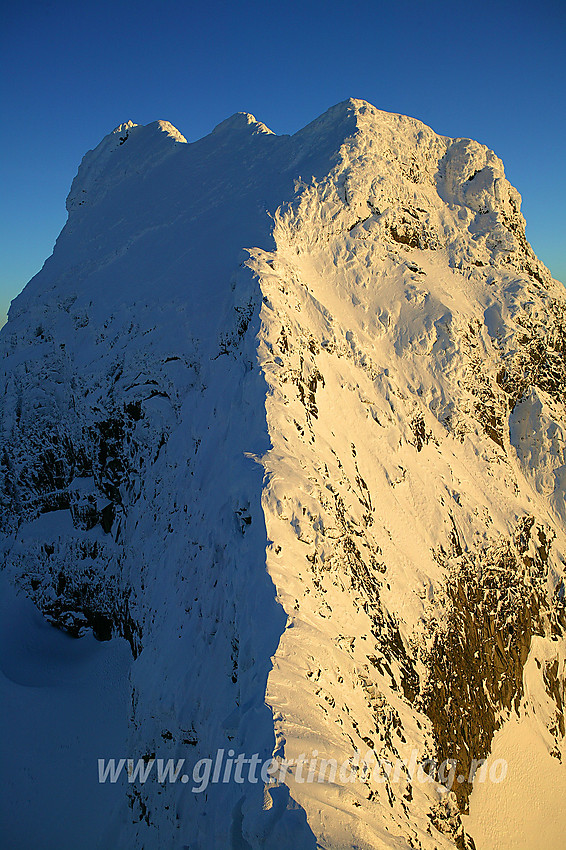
[[284, 418], [518, 812]]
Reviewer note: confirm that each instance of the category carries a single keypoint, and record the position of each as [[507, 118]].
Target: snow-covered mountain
[[283, 426]]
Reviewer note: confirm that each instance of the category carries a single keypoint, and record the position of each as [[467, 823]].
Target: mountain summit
[[283, 426]]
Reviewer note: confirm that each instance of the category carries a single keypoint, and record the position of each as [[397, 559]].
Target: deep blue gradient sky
[[493, 71]]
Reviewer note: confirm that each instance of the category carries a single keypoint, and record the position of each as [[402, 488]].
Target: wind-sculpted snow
[[287, 414]]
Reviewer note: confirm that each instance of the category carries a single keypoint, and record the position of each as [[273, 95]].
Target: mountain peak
[[123, 128], [242, 121], [129, 148], [287, 414]]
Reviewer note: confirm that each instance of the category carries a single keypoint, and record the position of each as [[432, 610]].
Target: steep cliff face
[[288, 415]]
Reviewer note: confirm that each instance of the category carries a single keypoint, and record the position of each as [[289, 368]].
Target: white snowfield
[[287, 414]]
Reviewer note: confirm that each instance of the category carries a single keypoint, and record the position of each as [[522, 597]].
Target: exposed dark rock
[[493, 608]]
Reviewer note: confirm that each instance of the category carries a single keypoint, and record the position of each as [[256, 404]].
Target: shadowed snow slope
[[287, 414]]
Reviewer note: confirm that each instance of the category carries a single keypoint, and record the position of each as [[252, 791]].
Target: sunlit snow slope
[[287, 414]]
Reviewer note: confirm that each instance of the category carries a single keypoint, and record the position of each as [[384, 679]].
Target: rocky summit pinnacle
[[283, 427]]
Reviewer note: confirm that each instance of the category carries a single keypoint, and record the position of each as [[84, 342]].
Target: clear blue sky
[[493, 71]]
